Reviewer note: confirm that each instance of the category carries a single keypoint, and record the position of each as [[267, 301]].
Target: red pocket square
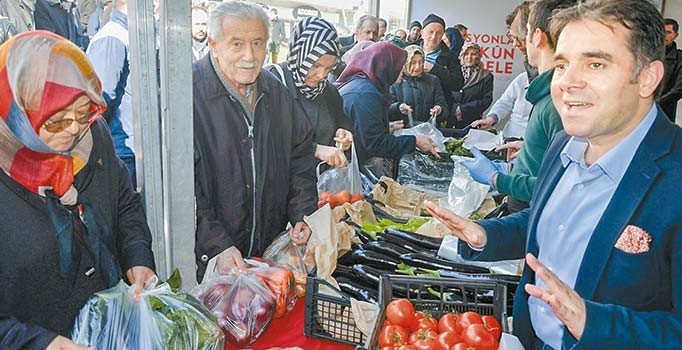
[[634, 240]]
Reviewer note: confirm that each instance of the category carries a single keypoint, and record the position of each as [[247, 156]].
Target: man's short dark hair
[[460, 26], [518, 24], [646, 37], [541, 14], [672, 22], [364, 19], [510, 17], [381, 20]]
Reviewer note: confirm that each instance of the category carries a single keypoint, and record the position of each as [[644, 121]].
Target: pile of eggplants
[[358, 272]]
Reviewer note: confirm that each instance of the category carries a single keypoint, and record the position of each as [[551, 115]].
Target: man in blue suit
[[605, 221]]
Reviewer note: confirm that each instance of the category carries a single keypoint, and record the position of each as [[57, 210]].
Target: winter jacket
[[368, 109], [62, 18], [35, 304], [672, 83], [543, 125], [7, 29], [251, 179], [420, 93], [449, 71], [325, 113], [472, 101]]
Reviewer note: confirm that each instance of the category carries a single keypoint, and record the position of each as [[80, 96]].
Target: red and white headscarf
[[41, 74]]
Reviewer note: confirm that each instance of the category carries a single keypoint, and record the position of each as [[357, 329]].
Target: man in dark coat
[[439, 60], [672, 83], [367, 28], [254, 159], [61, 17]]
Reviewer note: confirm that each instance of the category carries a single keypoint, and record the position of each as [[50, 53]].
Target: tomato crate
[[442, 295], [329, 316]]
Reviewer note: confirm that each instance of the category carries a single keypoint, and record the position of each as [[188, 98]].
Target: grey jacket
[[20, 12], [7, 29]]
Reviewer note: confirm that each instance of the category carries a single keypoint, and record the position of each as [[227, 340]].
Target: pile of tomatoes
[[406, 329], [337, 199]]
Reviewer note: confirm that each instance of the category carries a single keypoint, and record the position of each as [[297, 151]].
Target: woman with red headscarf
[[71, 224], [364, 86]]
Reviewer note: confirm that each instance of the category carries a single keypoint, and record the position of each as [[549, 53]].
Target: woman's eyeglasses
[[55, 126]]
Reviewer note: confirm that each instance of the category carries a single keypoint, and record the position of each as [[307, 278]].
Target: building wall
[[485, 20]]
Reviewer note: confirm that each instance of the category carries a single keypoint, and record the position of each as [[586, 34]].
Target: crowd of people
[[596, 158]]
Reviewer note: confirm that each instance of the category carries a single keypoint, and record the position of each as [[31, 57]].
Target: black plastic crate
[[329, 317], [486, 298]]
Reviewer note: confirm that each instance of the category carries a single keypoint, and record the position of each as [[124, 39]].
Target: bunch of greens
[[380, 226]]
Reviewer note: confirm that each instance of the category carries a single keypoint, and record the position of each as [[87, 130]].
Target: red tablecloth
[[288, 332]]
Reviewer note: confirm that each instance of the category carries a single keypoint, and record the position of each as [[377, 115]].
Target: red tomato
[[324, 196], [406, 347], [425, 344], [493, 326], [392, 336], [447, 339], [424, 320], [467, 319], [356, 198], [477, 336], [448, 323], [400, 312], [344, 196], [423, 334], [387, 347], [462, 346]]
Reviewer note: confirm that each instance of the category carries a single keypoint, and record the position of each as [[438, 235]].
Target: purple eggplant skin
[[426, 242], [374, 259], [357, 290], [414, 248], [432, 262], [386, 248]]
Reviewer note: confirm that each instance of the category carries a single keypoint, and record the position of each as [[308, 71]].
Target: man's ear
[[649, 78], [539, 38]]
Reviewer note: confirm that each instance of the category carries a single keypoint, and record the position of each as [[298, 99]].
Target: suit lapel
[[628, 196]]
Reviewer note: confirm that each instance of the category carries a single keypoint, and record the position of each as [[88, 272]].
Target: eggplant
[[364, 236], [346, 259], [432, 262], [507, 279], [420, 240], [356, 246], [374, 259], [357, 291], [386, 248], [370, 275], [343, 271], [401, 243]]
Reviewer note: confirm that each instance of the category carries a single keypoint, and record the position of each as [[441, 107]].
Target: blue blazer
[[634, 301]]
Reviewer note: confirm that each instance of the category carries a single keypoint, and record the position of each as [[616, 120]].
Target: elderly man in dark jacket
[[439, 60], [63, 18], [254, 160]]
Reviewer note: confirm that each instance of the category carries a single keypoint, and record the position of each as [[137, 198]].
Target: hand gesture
[[300, 233], [425, 144], [484, 123], [465, 229], [565, 302], [436, 110], [139, 276], [344, 138], [481, 168], [404, 108], [230, 259], [63, 343], [331, 155], [513, 149]]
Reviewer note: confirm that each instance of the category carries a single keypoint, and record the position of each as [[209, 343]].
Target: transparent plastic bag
[[427, 129], [160, 319], [241, 302], [283, 252], [341, 179], [465, 195], [424, 173]]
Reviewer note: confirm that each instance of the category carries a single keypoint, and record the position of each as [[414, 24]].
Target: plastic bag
[[482, 140], [337, 180], [241, 302], [160, 319], [281, 282], [283, 252], [428, 129], [465, 195], [424, 173]]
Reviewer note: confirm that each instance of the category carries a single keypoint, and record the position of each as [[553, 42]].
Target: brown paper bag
[[398, 200]]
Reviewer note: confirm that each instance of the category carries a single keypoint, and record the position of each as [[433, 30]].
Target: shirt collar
[[119, 17], [616, 161]]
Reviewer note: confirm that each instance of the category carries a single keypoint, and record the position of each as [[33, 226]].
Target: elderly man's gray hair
[[235, 10]]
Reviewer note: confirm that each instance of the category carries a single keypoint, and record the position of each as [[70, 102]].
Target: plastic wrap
[[427, 129], [482, 140], [241, 302], [283, 252], [425, 173], [281, 282], [465, 195], [341, 179], [160, 319]]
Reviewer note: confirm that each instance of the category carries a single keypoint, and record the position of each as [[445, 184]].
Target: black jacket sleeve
[[472, 109], [675, 92], [18, 335], [394, 109], [303, 183], [368, 115], [341, 120], [449, 71]]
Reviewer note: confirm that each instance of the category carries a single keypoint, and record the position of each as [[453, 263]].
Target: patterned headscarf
[[411, 51], [40, 74], [381, 63], [311, 38], [473, 74]]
